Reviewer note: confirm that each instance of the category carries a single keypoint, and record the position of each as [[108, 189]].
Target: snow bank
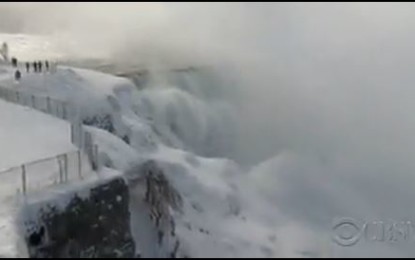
[[113, 152], [22, 127]]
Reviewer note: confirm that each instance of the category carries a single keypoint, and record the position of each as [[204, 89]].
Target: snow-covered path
[[8, 232], [27, 135]]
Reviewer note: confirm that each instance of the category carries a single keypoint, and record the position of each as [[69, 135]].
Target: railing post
[[79, 164], [24, 188], [60, 169], [95, 151], [48, 109], [69, 111], [33, 102], [72, 133], [65, 163], [83, 137], [21, 99], [64, 110]]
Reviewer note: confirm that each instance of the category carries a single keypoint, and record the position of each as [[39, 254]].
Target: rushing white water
[[187, 118]]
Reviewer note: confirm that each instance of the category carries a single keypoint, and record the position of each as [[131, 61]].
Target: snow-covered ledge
[[91, 220]]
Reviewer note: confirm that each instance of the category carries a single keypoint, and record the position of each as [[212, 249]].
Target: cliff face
[[131, 217], [153, 204], [97, 225]]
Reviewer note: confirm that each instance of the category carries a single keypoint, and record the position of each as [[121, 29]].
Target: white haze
[[327, 89]]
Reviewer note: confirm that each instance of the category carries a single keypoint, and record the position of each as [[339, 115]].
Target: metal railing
[[88, 154], [58, 108], [36, 175], [84, 141], [54, 107]]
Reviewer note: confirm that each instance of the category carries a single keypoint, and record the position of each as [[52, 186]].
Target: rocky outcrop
[[94, 226], [155, 200], [131, 217], [103, 122]]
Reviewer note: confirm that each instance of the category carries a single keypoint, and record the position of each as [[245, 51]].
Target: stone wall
[[97, 225]]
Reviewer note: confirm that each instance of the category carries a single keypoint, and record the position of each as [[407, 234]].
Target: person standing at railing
[[27, 67], [35, 66], [47, 65], [14, 62], [39, 65], [17, 75]]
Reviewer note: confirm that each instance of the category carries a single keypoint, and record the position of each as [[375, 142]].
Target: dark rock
[[160, 235], [196, 206], [100, 121], [126, 139], [86, 227], [36, 237]]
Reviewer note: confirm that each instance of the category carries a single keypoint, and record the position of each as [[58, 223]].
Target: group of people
[[37, 66]]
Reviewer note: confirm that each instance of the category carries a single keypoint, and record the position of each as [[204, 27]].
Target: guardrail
[[60, 109], [63, 168], [54, 107]]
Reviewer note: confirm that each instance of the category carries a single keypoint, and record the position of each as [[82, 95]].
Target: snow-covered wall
[[89, 222]]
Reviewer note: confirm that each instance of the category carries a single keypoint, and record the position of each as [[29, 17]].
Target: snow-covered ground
[[27, 135]]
